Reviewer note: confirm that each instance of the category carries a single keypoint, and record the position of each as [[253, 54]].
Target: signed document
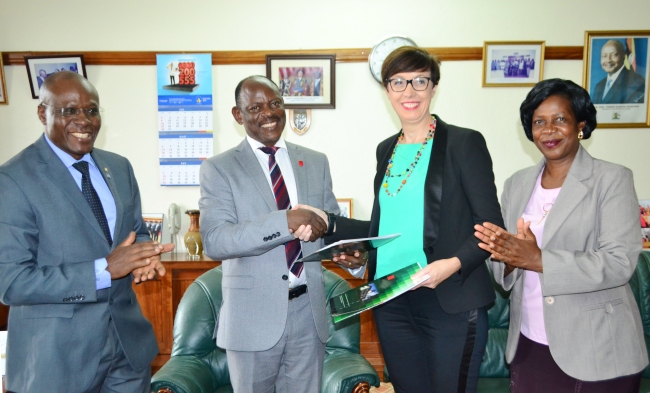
[[348, 246], [374, 293]]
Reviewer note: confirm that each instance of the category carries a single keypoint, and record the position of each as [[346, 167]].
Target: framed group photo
[[513, 63], [40, 67], [616, 75], [306, 81], [3, 85]]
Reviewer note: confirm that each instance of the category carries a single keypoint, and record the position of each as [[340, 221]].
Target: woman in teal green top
[[434, 182]]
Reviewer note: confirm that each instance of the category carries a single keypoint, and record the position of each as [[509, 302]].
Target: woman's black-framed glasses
[[398, 84]]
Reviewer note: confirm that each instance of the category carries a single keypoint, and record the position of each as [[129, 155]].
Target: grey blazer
[[241, 225], [589, 252], [49, 240]]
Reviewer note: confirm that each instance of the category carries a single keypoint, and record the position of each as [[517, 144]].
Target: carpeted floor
[[383, 388]]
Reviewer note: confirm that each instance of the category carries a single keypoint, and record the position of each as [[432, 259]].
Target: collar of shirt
[[99, 184], [616, 74], [66, 158]]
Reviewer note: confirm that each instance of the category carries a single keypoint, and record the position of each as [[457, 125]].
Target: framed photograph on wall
[[3, 85], [40, 67], [345, 204], [513, 63], [306, 81], [644, 212], [616, 75]]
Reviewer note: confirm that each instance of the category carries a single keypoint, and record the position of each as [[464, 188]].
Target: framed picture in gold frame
[[513, 63], [3, 85], [345, 204], [615, 73]]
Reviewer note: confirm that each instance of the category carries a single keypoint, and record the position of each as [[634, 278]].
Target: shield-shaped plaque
[[300, 120]]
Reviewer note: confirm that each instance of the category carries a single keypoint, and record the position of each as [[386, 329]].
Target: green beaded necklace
[[410, 168]]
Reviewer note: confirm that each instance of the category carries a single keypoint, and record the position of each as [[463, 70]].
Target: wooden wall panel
[[349, 55], [4, 316]]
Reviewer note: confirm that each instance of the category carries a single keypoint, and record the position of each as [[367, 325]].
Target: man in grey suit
[[620, 86], [273, 320], [71, 238]]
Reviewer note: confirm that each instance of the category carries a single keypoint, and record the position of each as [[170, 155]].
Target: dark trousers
[[428, 350], [533, 370]]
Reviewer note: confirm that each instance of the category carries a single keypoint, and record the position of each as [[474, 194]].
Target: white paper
[[3, 351]]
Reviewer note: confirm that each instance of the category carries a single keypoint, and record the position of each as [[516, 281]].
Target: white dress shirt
[[610, 80]]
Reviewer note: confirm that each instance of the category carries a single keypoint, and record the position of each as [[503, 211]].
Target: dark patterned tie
[[292, 248], [93, 199]]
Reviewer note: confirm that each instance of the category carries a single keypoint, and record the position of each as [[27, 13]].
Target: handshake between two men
[[309, 224]]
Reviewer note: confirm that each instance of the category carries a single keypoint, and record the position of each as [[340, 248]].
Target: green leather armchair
[[197, 365]]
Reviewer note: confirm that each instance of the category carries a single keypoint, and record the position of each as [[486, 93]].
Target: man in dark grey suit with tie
[[273, 321], [621, 86], [71, 239]]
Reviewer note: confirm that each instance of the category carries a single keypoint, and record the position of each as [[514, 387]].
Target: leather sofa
[[494, 376], [197, 365]]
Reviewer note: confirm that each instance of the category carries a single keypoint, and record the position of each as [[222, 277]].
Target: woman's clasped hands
[[515, 250]]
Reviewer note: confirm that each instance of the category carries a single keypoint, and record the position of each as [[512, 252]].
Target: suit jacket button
[[550, 300], [285, 277], [266, 239], [431, 250]]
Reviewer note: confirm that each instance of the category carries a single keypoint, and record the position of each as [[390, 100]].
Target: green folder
[[374, 293]]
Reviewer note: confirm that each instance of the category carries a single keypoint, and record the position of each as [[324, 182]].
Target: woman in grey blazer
[[572, 246]]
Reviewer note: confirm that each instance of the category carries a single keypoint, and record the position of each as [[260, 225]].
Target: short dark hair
[[410, 59], [583, 108], [259, 78]]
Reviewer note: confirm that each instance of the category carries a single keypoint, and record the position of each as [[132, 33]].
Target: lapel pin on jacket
[[108, 175], [301, 163]]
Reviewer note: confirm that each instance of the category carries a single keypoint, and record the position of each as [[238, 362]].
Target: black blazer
[[459, 192]]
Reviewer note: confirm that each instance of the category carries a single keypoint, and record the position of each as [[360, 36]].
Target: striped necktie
[[291, 248], [93, 199]]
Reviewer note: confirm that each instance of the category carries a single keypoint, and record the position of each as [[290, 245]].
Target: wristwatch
[[331, 223]]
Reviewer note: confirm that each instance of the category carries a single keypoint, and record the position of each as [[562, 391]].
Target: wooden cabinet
[[159, 300]]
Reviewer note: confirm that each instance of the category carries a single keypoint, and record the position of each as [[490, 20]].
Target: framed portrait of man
[[616, 74]]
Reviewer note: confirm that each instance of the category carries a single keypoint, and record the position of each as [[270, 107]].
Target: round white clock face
[[380, 51]]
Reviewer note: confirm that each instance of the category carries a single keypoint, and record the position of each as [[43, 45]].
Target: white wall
[[363, 117]]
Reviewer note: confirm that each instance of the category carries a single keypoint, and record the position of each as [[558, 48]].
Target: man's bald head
[[61, 77], [612, 56], [256, 78], [70, 112]]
